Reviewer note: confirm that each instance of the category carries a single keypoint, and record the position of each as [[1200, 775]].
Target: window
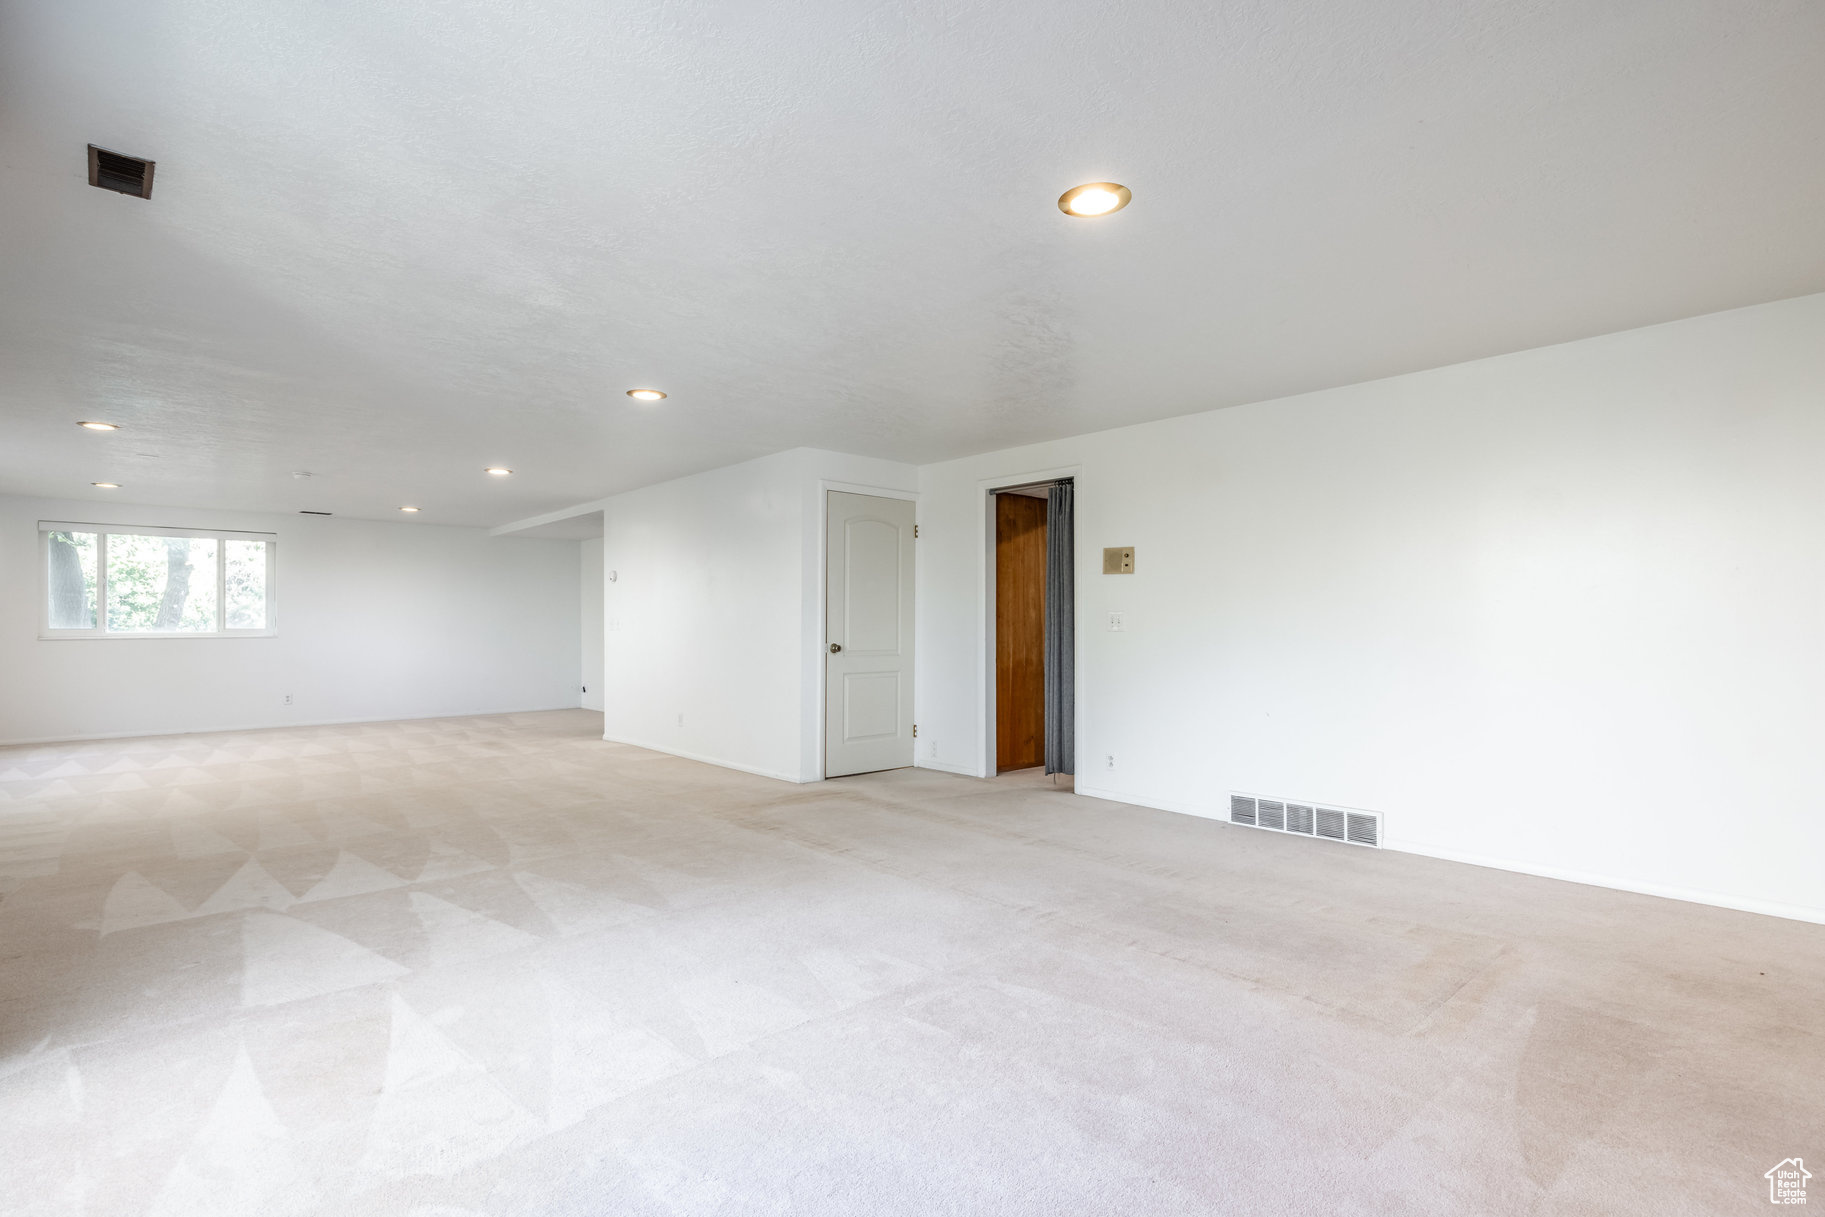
[[108, 581]]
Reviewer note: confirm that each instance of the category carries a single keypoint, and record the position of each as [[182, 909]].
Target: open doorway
[[1034, 628]]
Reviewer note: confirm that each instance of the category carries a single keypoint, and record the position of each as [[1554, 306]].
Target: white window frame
[[102, 531]]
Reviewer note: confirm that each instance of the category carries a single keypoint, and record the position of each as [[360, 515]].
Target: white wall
[[375, 621], [592, 625], [1556, 611], [714, 623]]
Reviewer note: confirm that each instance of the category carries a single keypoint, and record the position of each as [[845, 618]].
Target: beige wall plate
[[1119, 561]]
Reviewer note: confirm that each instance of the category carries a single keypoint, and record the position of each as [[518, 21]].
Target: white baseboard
[[945, 766], [681, 754], [1128, 796], [284, 725], [1768, 908]]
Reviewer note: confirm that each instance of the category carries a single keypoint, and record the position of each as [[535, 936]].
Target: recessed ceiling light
[[646, 395], [100, 426], [106, 485], [1094, 199], [497, 471], [408, 509]]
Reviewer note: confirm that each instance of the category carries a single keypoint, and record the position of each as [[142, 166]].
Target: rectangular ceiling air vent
[[1307, 819], [124, 174]]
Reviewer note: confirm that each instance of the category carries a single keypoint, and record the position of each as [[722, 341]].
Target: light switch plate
[[1119, 561]]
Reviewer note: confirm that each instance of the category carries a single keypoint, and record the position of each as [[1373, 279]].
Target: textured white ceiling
[[393, 242]]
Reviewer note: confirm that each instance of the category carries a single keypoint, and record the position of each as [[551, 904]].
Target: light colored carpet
[[497, 966]]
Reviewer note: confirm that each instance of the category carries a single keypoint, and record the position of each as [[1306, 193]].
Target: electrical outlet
[[931, 750], [1118, 622], [1109, 762], [288, 699]]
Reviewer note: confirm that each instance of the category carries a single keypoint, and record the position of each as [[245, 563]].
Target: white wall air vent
[[122, 174], [1307, 819]]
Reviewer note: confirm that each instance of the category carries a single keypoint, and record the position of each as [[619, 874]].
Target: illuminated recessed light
[[106, 485], [408, 509], [646, 395], [100, 426], [497, 471], [1094, 199]]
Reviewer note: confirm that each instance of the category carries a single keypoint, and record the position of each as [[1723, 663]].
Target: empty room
[[659, 608]]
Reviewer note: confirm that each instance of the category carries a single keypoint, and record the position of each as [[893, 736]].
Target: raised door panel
[[871, 575]]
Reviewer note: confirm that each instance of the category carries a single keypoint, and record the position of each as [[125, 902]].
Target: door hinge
[[915, 730], [915, 532]]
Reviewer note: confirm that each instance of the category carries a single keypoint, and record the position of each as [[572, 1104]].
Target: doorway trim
[[985, 602], [819, 624]]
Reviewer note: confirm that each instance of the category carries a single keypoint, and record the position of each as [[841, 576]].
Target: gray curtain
[[1061, 633]]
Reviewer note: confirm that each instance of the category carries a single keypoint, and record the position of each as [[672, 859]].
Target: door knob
[[835, 647]]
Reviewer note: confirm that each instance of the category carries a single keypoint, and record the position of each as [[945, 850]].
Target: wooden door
[[868, 670], [1020, 631]]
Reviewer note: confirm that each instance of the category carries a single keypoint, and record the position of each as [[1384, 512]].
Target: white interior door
[[868, 661]]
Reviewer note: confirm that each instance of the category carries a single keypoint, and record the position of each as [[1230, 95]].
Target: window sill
[[97, 636]]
